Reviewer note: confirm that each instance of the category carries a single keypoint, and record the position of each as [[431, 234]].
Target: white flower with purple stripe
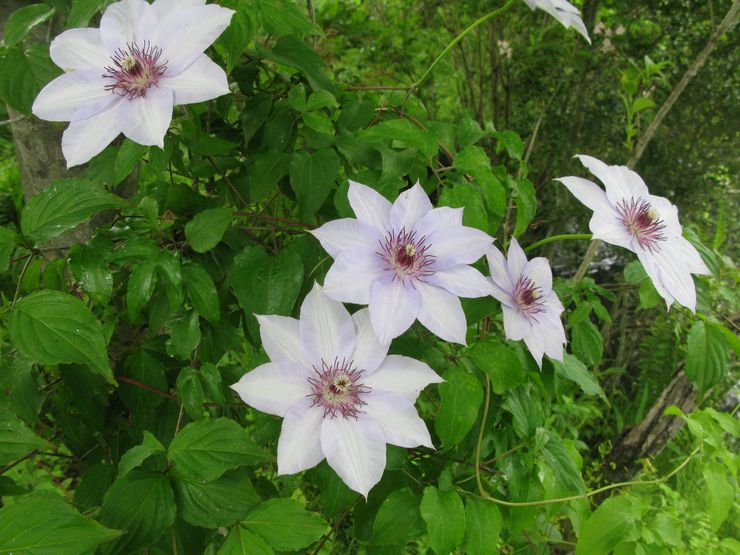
[[406, 261], [627, 215], [562, 10], [531, 308], [342, 397]]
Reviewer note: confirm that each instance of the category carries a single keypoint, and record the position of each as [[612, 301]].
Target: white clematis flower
[[531, 308], [565, 12], [126, 76], [406, 260], [341, 396], [627, 215]]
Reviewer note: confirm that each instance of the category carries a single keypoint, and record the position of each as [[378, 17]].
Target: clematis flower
[[627, 215], [531, 308], [565, 12], [406, 260], [126, 76], [341, 396]]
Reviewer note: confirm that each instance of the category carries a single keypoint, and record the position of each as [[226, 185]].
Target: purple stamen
[[135, 70], [642, 222], [337, 390], [407, 255], [528, 297]]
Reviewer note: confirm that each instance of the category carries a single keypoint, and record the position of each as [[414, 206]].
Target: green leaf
[[17, 439], [82, 11], [190, 392], [207, 228], [634, 272], [21, 22], [185, 336], [587, 343], [145, 369], [51, 327], [649, 296], [464, 196], [132, 458], [285, 524], [141, 284], [610, 524], [526, 411], [267, 170], [63, 206], [243, 542], [483, 524], [319, 122], [525, 200], [499, 362], [574, 370], [8, 241], [312, 176], [282, 17], [321, 99], [23, 73], [238, 34], [557, 457], [444, 514], [128, 156], [205, 449], [142, 504], [202, 291], [221, 502], [293, 52], [44, 524], [721, 492], [706, 356], [405, 132], [460, 398], [88, 266], [398, 519], [511, 141]]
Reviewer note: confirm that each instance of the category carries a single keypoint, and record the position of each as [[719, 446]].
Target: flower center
[[528, 297], [337, 389], [407, 255], [643, 222], [134, 70]]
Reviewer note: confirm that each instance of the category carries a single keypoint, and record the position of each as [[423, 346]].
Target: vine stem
[[20, 281], [485, 495], [553, 238], [452, 44]]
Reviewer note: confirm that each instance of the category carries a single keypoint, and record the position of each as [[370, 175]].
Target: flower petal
[[438, 218], [535, 343], [393, 308], [441, 313], [274, 387], [398, 419], [281, 339], [457, 245], [538, 270], [327, 329], [620, 182], [128, 22], [611, 231], [403, 375], [76, 49], [76, 95], [351, 276], [167, 9], [667, 267], [346, 233], [370, 206], [515, 324], [463, 281], [145, 120], [516, 260], [299, 446], [369, 352], [85, 138], [203, 80], [355, 449], [499, 270], [410, 206], [589, 193], [188, 33]]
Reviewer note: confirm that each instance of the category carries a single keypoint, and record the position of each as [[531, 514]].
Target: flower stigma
[[135, 70], [406, 255], [336, 388], [528, 297], [642, 221]]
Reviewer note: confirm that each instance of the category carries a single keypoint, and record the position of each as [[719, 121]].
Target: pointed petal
[[516, 260], [610, 231], [167, 9], [458, 245], [76, 95], [369, 352], [85, 138], [690, 256], [327, 330], [273, 387], [203, 80], [438, 218], [398, 419], [463, 281], [668, 268], [393, 308], [355, 449], [403, 375], [188, 33], [620, 182], [345, 234], [145, 120], [351, 276], [410, 206], [538, 270], [299, 446], [442, 314], [515, 325], [553, 334], [499, 270], [668, 212], [370, 206], [127, 22], [536, 345], [281, 339], [76, 49], [589, 193]]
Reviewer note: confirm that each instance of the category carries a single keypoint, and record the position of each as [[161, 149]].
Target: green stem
[[554, 238], [457, 39]]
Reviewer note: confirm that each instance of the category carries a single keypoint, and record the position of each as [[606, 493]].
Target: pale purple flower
[[531, 308], [342, 397], [406, 260], [565, 12], [126, 76], [627, 215]]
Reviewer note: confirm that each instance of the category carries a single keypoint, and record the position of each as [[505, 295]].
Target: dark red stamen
[[135, 70], [337, 389], [642, 222], [407, 255]]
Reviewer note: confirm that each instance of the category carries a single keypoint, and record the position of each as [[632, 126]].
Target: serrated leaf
[[460, 398], [207, 228], [285, 524], [17, 439], [63, 206], [21, 22], [444, 515], [51, 327], [132, 458], [706, 356], [312, 176], [221, 502]]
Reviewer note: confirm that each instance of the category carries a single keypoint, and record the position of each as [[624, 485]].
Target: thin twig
[[12, 120]]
